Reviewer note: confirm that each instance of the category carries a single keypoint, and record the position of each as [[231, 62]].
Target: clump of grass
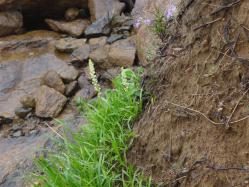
[[95, 157], [159, 26]]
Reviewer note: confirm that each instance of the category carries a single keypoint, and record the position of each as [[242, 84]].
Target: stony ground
[[44, 69]]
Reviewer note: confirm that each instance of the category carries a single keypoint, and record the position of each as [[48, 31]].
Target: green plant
[[159, 26], [95, 157]]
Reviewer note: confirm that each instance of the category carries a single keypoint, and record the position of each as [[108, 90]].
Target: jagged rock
[[99, 27], [22, 112], [68, 73], [72, 14], [81, 54], [70, 88], [100, 57], [115, 37], [28, 101], [87, 90], [100, 8], [49, 102], [96, 42], [53, 80], [10, 22], [122, 53], [68, 45], [73, 28]]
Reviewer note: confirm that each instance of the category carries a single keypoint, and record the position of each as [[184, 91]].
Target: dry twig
[[236, 106], [225, 7], [206, 24]]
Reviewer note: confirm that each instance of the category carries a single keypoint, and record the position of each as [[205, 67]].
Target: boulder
[[68, 73], [122, 53], [99, 28], [10, 22], [72, 14], [73, 28], [100, 57], [68, 45], [49, 102], [53, 80], [101, 8]]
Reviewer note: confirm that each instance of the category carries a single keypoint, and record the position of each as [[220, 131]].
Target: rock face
[[73, 28], [45, 8], [22, 152], [10, 22], [52, 79], [100, 8], [49, 102]]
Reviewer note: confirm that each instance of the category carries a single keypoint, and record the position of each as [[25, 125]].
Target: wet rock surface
[[24, 61]]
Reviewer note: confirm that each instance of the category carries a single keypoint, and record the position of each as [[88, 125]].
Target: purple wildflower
[[148, 22], [138, 22], [170, 12]]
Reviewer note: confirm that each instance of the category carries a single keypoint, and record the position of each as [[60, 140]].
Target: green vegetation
[[159, 26], [95, 157]]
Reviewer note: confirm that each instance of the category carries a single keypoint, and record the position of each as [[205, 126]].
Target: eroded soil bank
[[195, 133], [44, 52]]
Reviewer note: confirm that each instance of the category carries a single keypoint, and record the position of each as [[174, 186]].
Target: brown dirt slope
[[196, 132]]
